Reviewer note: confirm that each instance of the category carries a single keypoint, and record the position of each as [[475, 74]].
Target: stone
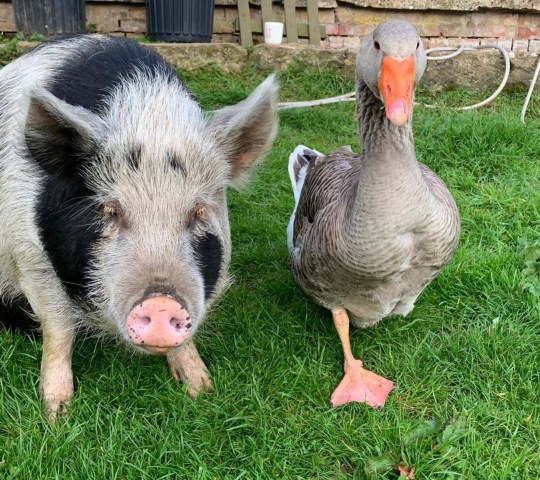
[[195, 56], [23, 46], [279, 57]]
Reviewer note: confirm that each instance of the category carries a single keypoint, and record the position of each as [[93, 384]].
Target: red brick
[[116, 18], [223, 26], [351, 29], [352, 42], [493, 24], [528, 26], [435, 42], [7, 18], [219, 13], [332, 29], [133, 26], [470, 42], [520, 45], [335, 42], [534, 45], [225, 38], [506, 43]]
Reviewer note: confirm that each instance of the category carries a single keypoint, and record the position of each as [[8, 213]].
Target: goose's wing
[[449, 232], [325, 184]]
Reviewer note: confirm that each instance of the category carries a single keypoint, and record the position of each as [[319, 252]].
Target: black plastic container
[[53, 18], [189, 21]]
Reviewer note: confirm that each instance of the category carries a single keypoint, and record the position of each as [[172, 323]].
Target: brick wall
[[515, 24]]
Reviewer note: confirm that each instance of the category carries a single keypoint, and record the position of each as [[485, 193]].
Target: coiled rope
[[455, 51]]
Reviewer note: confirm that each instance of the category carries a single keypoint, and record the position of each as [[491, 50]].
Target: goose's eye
[[417, 44], [376, 45]]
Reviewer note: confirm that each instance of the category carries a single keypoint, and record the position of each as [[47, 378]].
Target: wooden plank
[[290, 21], [301, 28], [266, 11], [313, 22], [246, 39]]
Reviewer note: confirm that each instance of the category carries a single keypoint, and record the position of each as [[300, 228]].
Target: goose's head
[[391, 61]]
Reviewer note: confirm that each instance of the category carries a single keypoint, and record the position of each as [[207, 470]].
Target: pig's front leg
[[56, 382], [57, 317], [185, 364]]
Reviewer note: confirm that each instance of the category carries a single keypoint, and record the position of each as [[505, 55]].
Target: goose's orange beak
[[396, 86]]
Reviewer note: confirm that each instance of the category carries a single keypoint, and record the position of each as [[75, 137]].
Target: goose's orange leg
[[358, 384]]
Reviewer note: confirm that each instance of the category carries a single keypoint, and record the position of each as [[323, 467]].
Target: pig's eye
[[113, 212], [196, 215]]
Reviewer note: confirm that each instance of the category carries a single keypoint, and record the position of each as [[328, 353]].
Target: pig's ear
[[246, 130], [58, 134]]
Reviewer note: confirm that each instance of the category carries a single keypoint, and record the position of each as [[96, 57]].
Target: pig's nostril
[[176, 323], [145, 320]]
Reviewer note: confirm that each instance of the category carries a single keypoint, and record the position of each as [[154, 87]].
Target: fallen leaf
[[406, 472]]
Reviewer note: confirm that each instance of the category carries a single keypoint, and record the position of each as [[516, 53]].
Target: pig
[[113, 210]]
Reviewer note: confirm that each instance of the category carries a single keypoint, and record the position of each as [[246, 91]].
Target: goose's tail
[[299, 161]]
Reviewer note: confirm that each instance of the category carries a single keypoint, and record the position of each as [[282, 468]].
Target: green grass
[[466, 359]]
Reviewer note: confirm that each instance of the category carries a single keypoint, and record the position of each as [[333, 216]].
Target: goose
[[370, 231]]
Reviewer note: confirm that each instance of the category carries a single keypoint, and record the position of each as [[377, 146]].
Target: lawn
[[465, 361]]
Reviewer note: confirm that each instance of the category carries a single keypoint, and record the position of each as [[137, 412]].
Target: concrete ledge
[[461, 5], [478, 70], [229, 57]]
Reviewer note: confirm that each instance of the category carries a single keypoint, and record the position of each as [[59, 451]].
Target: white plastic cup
[[273, 33]]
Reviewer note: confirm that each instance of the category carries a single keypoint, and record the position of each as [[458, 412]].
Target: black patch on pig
[[88, 78], [209, 251], [16, 316], [69, 224]]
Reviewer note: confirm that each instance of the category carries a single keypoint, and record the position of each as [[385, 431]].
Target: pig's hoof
[[55, 403], [186, 365], [194, 375], [55, 407], [198, 385], [197, 380]]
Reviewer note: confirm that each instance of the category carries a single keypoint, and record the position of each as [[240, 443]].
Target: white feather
[[297, 175]]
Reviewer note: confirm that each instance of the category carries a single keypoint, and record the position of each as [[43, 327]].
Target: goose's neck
[[377, 133], [390, 180]]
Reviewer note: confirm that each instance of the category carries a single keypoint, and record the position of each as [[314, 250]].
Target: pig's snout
[[158, 324]]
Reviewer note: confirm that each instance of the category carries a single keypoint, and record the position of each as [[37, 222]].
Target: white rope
[[529, 93], [479, 47], [349, 97]]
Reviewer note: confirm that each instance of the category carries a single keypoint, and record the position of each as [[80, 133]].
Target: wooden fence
[[292, 30]]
